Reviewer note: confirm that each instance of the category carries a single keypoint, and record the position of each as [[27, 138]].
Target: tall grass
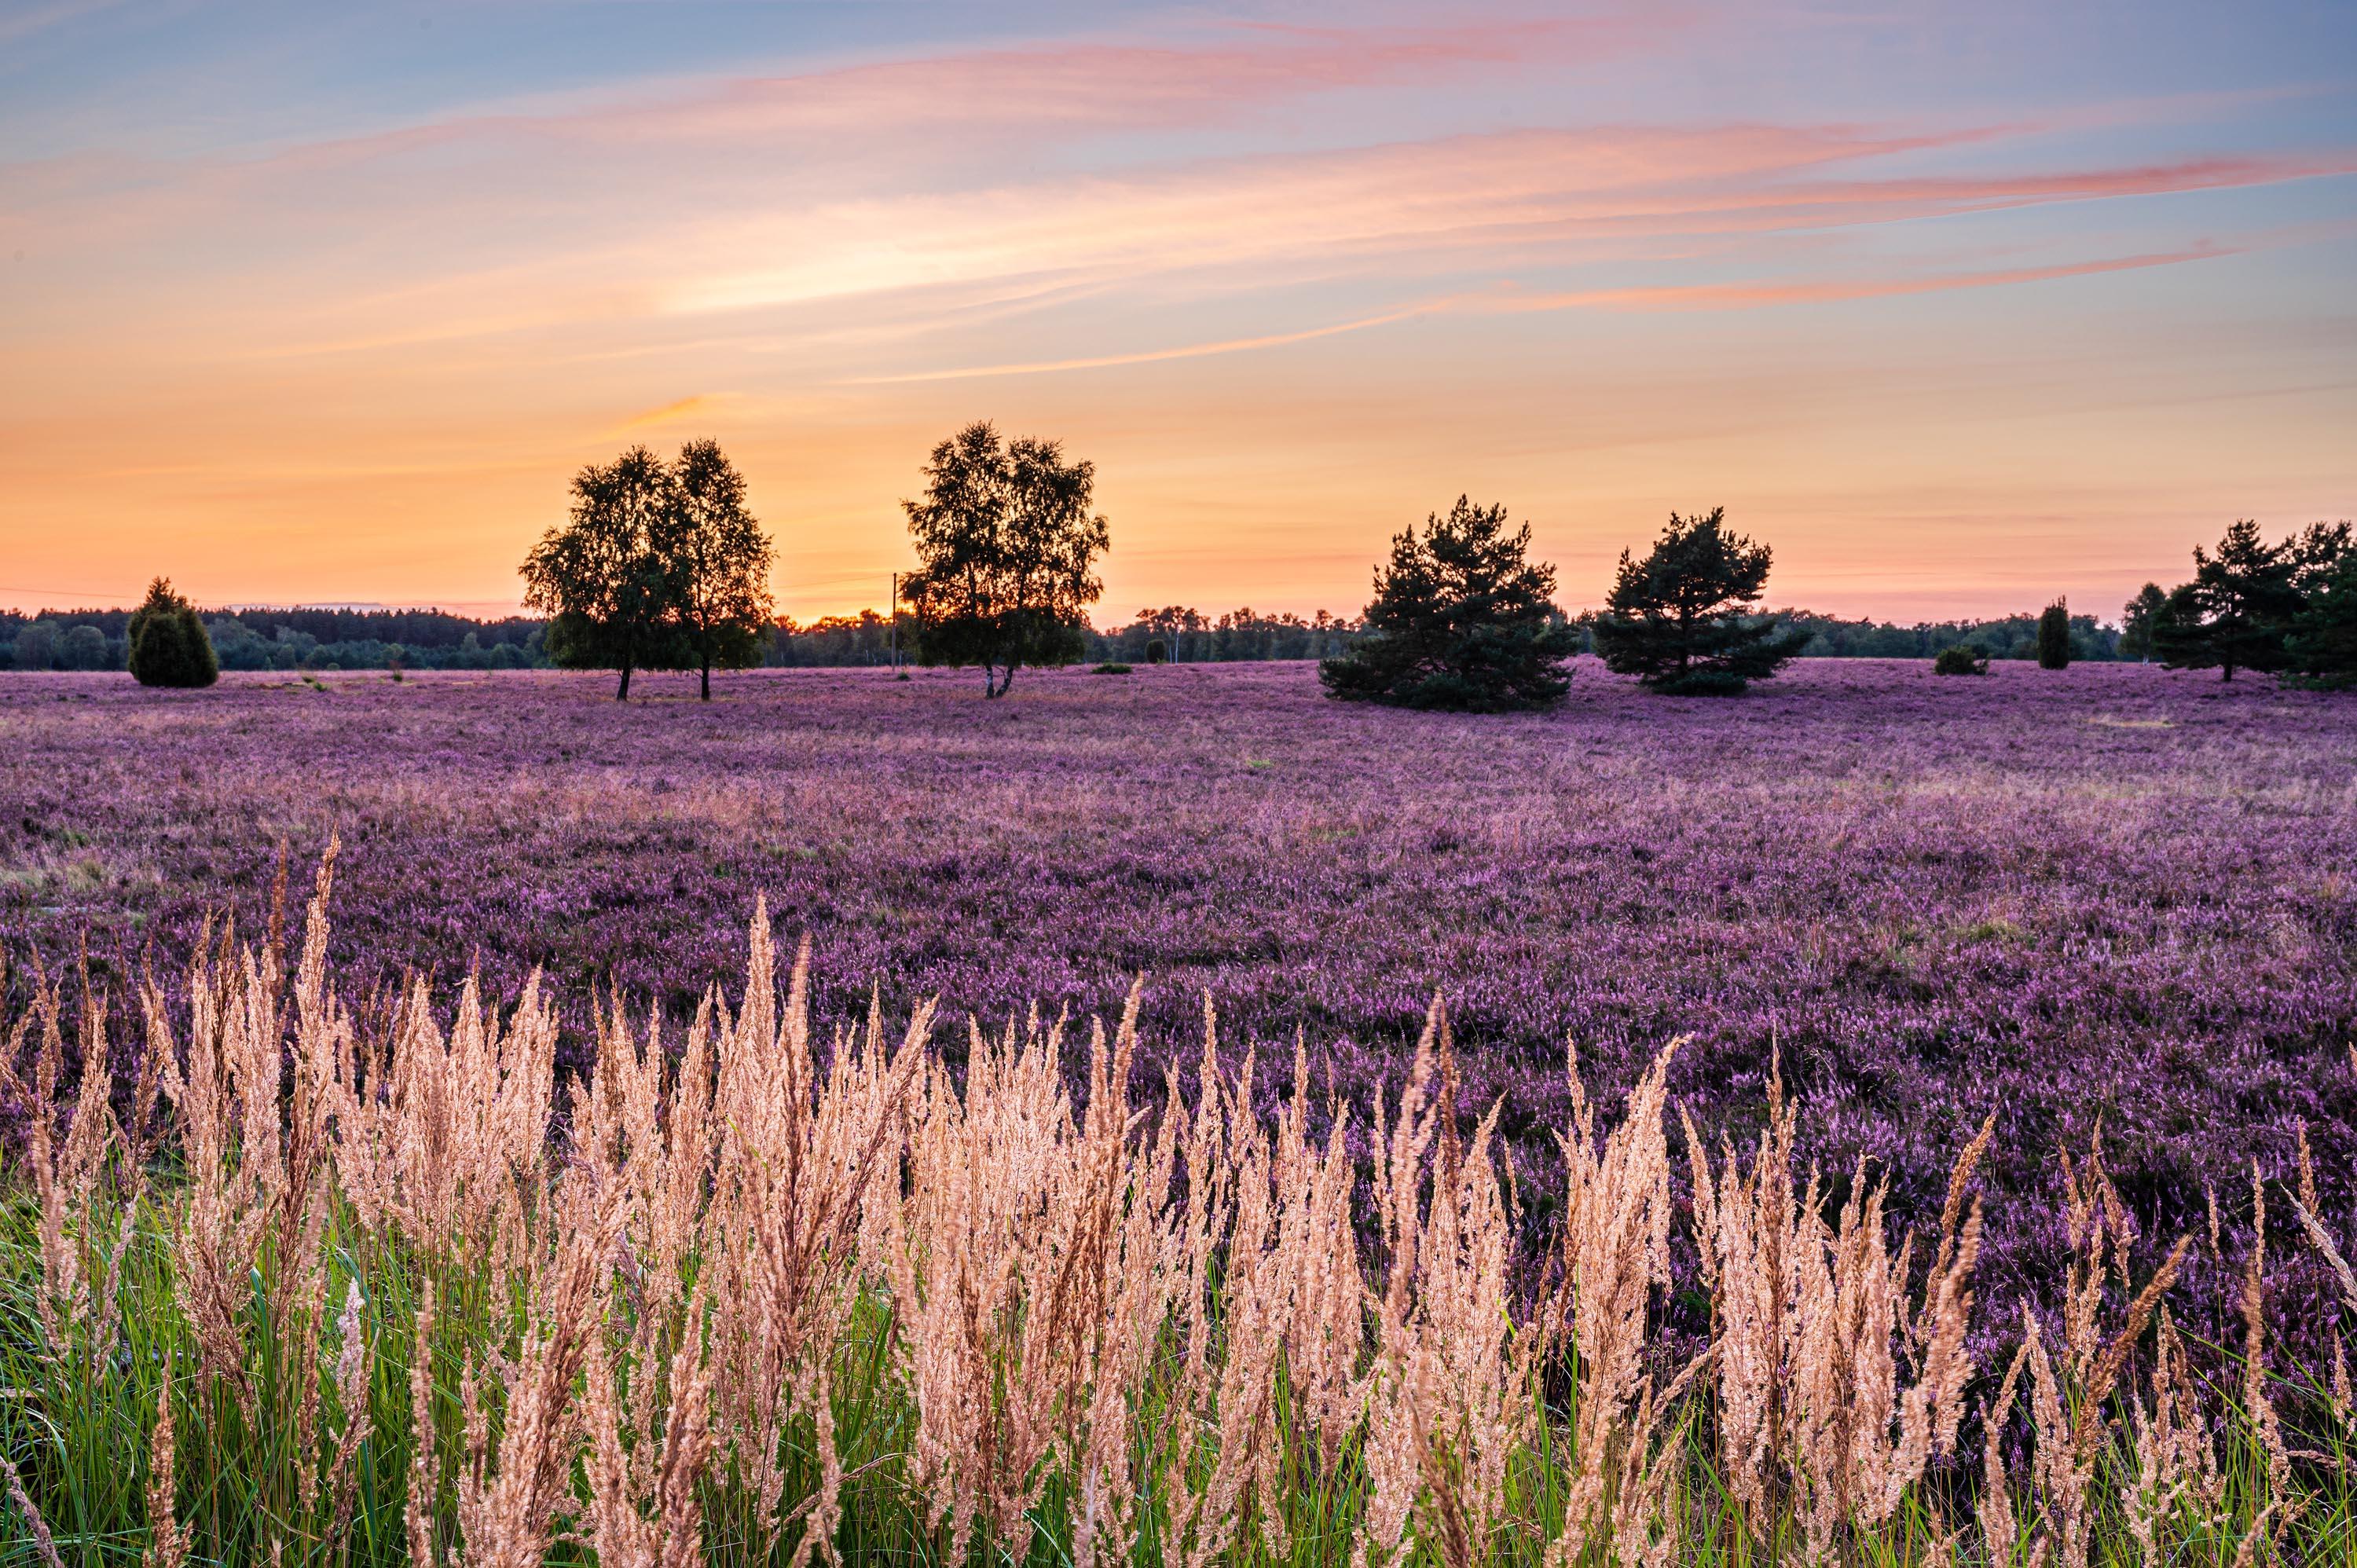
[[327, 1293]]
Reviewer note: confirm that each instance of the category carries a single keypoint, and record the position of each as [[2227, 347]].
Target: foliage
[[1685, 619], [659, 568], [39, 645], [2004, 638], [866, 639], [2137, 618], [720, 562], [1961, 660], [85, 648], [1006, 545], [168, 644], [2235, 613], [1242, 635], [1462, 618], [1157, 651], [603, 579], [2054, 637], [324, 1289], [2322, 640], [1111, 667]]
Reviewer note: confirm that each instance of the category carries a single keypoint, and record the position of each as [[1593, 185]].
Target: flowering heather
[[2107, 899]]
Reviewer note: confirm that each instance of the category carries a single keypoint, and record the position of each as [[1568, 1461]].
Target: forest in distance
[[370, 638]]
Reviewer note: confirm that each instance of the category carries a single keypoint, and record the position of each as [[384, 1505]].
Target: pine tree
[[1685, 618], [1462, 619], [2054, 637], [168, 644], [2236, 613], [2322, 640]]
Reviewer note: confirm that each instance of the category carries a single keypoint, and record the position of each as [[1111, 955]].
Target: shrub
[[1960, 660], [1701, 682], [168, 643], [2054, 637], [1111, 667], [1157, 651]]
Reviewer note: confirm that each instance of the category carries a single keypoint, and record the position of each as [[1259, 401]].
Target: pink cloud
[[1692, 296]]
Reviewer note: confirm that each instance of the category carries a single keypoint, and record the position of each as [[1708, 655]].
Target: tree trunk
[[1006, 681], [622, 692], [707, 677]]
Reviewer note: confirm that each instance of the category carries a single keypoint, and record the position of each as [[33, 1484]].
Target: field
[[2114, 909], [2114, 894]]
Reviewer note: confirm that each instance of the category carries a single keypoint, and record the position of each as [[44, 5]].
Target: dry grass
[[311, 1292]]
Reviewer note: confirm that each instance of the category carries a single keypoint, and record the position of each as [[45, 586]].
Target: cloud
[[1691, 296], [1742, 296], [1499, 202], [1148, 356], [669, 413]]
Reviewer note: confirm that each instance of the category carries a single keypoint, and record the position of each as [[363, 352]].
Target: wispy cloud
[[1499, 202], [1688, 296], [1743, 296], [670, 412], [1148, 356]]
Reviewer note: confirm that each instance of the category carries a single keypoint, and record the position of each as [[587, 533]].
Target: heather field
[[2061, 962], [2111, 898]]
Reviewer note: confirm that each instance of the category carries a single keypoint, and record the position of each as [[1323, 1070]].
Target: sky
[[1961, 306]]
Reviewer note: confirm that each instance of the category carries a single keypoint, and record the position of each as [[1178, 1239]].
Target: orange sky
[[333, 322]]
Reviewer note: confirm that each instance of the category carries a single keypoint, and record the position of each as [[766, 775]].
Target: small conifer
[[169, 646]]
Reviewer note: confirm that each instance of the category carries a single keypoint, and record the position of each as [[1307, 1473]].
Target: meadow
[[2106, 914]]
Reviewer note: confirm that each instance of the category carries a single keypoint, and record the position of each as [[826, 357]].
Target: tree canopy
[[720, 562], [2236, 612], [1007, 545], [1685, 618], [658, 568], [1462, 618], [2137, 617], [2322, 639]]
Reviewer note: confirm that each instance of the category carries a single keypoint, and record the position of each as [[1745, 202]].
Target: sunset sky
[[1960, 305]]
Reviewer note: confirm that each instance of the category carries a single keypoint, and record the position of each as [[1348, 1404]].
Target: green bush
[[1111, 668], [1157, 651], [168, 643], [2054, 637], [1702, 681], [1960, 660]]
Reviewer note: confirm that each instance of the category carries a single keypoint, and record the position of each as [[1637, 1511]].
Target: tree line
[[311, 637], [1173, 635], [661, 566], [286, 638]]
